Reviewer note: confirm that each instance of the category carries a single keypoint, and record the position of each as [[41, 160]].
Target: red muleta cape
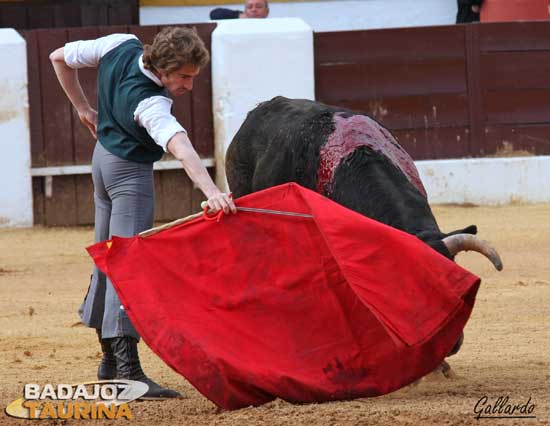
[[262, 306]]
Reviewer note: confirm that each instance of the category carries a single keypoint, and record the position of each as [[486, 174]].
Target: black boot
[[128, 367], [107, 366]]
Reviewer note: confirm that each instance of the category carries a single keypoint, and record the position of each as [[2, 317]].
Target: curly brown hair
[[174, 47]]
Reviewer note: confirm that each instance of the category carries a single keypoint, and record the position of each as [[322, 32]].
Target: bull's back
[[297, 140]]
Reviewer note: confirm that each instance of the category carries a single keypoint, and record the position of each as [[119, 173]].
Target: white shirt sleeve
[[88, 53], [155, 115]]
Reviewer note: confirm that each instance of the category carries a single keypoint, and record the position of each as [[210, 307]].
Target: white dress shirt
[[152, 113]]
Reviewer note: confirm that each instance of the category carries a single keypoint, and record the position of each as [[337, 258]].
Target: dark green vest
[[121, 86]]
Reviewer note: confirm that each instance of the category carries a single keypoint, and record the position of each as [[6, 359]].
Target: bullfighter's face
[[256, 9], [181, 80]]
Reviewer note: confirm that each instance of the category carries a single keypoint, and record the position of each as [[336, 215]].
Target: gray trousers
[[124, 199]]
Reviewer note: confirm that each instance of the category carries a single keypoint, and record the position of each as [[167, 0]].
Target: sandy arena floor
[[44, 274]]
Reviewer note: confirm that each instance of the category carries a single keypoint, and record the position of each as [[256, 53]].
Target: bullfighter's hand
[[222, 201], [88, 117]]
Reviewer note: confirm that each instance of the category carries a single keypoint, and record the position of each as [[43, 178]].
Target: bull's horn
[[465, 242]]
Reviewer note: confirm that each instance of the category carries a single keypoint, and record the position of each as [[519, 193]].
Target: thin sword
[[268, 211]]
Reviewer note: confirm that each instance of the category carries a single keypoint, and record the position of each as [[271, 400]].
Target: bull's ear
[[472, 229]]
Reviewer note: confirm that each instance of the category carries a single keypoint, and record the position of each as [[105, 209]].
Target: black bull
[[346, 156]]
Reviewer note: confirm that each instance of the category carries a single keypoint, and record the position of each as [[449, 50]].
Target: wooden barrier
[[454, 91], [32, 14], [447, 91]]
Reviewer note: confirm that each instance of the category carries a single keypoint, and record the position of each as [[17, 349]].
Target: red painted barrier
[[514, 10]]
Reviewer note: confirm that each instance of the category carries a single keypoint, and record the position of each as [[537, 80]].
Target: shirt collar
[[148, 73]]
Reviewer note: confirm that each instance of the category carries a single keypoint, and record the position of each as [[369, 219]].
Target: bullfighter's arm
[[180, 146], [80, 54], [68, 78]]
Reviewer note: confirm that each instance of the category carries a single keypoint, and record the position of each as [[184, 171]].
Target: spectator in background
[[468, 11], [252, 9]]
